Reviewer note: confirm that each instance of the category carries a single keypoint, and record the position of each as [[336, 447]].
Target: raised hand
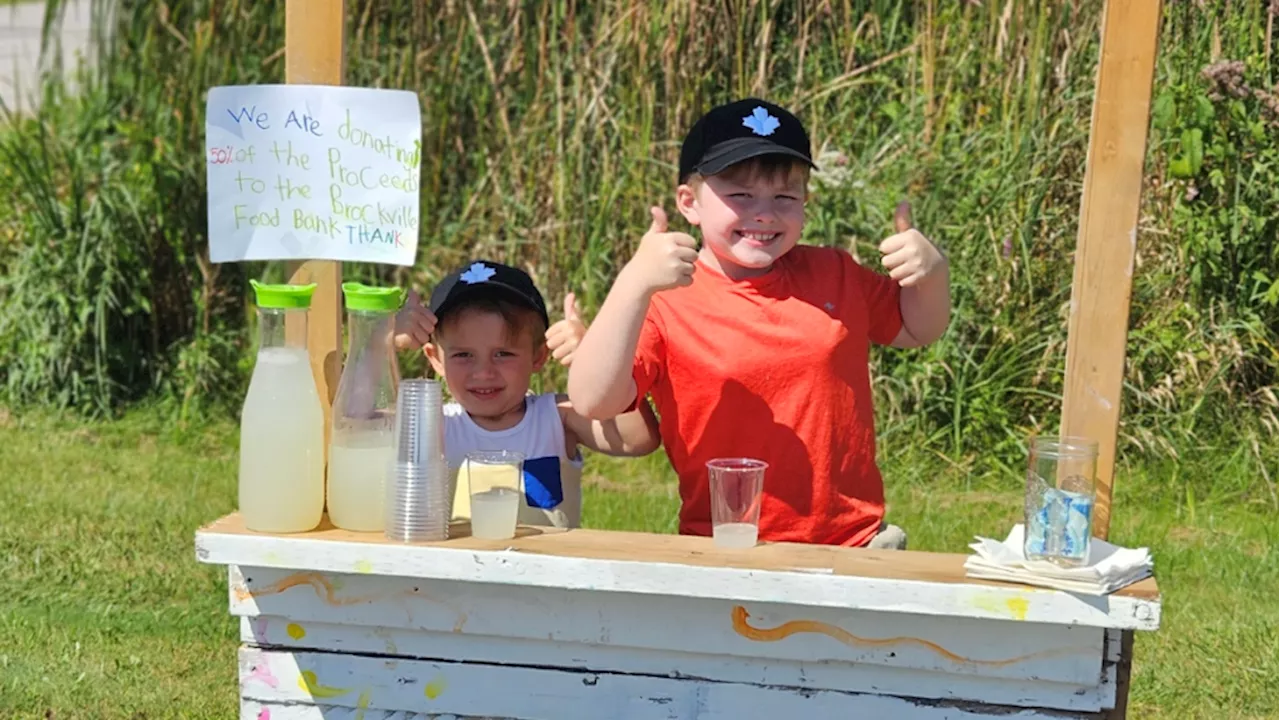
[[908, 255], [664, 259], [564, 336], [414, 324]]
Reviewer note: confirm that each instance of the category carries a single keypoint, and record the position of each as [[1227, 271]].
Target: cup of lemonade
[[494, 483], [737, 487]]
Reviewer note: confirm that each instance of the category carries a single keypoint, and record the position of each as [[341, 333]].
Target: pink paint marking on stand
[[263, 673]]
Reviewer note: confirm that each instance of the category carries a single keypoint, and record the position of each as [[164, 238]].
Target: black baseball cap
[[483, 276], [729, 134]]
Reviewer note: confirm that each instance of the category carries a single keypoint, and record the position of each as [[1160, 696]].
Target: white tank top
[[552, 481]]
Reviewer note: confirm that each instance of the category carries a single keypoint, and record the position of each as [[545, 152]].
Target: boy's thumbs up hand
[[414, 324], [908, 255], [564, 336], [902, 221], [659, 215], [664, 259], [571, 309]]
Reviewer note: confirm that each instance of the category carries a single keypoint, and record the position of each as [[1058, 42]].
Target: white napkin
[[1108, 569]]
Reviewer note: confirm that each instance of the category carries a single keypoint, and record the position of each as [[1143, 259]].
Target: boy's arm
[[630, 434], [600, 382], [926, 309], [925, 276], [414, 324], [364, 383]]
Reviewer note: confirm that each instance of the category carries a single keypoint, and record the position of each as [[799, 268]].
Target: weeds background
[[549, 127]]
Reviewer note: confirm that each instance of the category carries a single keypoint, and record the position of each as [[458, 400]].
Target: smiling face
[[487, 356], [750, 215]]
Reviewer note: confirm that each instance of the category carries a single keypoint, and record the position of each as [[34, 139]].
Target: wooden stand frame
[[1106, 245], [315, 54], [1105, 248]]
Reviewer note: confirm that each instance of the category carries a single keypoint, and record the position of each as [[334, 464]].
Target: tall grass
[[550, 127]]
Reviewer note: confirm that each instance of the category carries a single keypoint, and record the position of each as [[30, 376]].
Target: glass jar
[[1059, 500], [364, 410], [281, 481]]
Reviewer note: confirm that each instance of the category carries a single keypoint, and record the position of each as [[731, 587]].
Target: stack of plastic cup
[[418, 501]]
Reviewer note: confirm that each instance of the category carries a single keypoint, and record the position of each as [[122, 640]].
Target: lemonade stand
[[342, 622]]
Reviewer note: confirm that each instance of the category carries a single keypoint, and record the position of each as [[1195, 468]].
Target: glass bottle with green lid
[[364, 409], [282, 422]]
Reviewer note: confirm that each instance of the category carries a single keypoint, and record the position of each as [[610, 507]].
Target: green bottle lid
[[368, 297], [283, 296]]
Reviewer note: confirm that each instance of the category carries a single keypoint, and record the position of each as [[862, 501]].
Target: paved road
[[20, 46]]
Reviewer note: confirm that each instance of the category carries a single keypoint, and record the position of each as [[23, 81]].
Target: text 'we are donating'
[[299, 172]]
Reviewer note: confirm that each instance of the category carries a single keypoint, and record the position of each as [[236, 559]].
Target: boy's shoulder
[[817, 265], [821, 258], [818, 259]]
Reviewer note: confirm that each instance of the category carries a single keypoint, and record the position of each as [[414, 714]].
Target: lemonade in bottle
[[364, 410], [282, 422]]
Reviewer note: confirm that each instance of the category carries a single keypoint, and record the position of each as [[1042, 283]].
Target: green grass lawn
[[106, 614]]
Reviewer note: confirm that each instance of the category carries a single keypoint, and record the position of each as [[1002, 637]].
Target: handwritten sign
[[310, 171]]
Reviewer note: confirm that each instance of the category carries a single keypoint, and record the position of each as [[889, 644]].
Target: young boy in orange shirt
[[754, 345]]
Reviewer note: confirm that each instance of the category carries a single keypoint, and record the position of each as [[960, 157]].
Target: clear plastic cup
[[494, 481], [417, 501], [737, 488], [419, 434]]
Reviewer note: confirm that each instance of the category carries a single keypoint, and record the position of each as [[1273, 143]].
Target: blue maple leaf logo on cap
[[477, 273], [761, 122]]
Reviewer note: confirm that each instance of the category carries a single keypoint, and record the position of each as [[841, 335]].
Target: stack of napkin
[[1108, 567]]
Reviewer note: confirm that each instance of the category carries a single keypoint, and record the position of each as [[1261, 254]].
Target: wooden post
[[315, 52], [1105, 248]]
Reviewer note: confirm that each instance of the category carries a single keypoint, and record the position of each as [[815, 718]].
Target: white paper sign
[[311, 171]]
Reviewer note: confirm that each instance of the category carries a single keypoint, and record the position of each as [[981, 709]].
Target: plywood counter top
[[674, 565]]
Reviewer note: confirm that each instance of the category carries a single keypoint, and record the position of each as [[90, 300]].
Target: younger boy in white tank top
[[552, 477], [486, 332]]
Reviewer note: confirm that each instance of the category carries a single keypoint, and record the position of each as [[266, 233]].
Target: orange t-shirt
[[775, 368]]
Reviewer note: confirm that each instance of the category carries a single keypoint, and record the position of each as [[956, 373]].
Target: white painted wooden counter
[[588, 624]]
